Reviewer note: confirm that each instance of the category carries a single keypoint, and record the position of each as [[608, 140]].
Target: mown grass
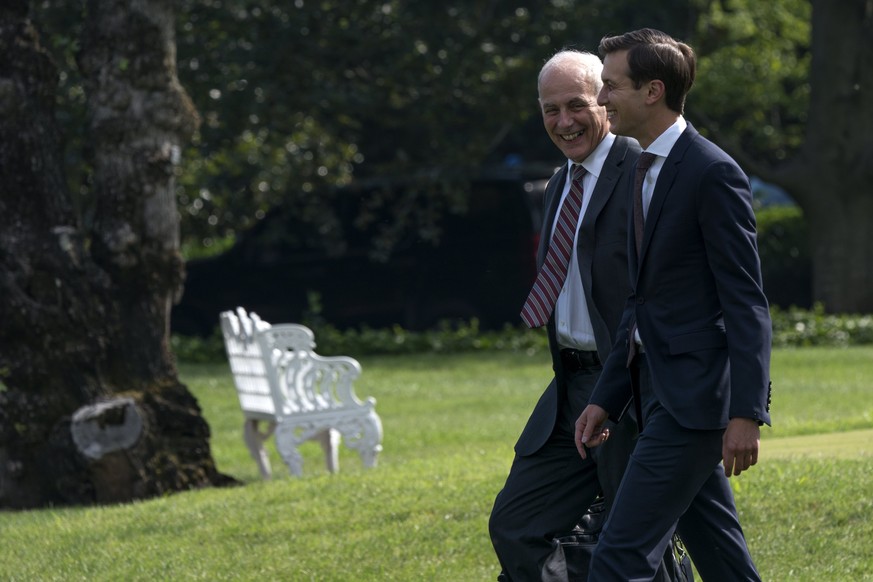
[[450, 422]]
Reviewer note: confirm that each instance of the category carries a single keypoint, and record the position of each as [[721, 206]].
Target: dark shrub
[[783, 243]]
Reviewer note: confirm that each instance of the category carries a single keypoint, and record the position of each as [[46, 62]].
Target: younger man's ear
[[654, 91]]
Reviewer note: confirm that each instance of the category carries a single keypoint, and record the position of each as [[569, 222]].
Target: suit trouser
[[548, 492], [673, 473]]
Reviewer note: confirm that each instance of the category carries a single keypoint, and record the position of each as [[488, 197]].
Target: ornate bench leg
[[255, 440], [371, 441], [329, 440], [287, 441], [364, 434], [369, 455]]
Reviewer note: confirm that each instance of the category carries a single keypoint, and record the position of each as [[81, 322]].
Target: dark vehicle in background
[[482, 266]]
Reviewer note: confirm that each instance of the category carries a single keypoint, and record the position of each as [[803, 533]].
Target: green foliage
[[797, 327], [448, 337], [450, 422], [191, 249], [298, 97], [198, 350], [752, 81], [792, 327], [783, 245]]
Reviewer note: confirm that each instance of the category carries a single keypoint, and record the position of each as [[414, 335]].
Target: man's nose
[[601, 97]]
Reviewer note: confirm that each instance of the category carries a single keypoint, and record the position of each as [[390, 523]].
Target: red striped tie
[[541, 300]]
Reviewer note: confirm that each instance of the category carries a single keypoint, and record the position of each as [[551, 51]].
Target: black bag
[[578, 545]]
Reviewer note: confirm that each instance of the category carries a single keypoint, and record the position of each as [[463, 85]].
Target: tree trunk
[[841, 246], [85, 311], [839, 205], [832, 177]]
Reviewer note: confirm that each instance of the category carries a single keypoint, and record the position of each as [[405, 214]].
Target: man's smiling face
[[625, 104], [571, 115]]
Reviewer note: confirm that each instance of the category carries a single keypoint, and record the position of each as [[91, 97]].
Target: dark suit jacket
[[697, 296], [602, 256]]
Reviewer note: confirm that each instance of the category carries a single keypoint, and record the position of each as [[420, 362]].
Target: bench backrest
[[246, 364], [293, 380], [305, 381]]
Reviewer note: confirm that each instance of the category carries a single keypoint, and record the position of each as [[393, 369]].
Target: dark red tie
[[643, 165], [541, 300]]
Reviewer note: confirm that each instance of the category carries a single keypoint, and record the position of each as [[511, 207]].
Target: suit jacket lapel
[[606, 182], [554, 189], [666, 177]]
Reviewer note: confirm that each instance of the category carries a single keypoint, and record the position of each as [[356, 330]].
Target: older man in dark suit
[[695, 333], [579, 296]]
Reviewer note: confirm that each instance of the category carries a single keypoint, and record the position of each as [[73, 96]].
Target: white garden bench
[[297, 393]]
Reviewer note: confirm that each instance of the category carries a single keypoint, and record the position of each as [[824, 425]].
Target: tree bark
[[835, 186], [85, 310], [831, 177]]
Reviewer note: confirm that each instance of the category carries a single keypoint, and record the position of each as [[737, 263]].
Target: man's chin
[[578, 154], [616, 129]]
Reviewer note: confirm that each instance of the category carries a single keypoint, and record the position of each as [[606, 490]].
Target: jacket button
[[641, 300]]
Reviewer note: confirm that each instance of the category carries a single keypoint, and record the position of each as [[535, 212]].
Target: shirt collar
[[665, 142], [593, 164]]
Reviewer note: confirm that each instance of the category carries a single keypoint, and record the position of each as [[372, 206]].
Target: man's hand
[[589, 429], [739, 445]]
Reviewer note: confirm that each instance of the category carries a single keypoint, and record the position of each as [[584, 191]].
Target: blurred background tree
[[91, 407], [783, 88], [299, 97]]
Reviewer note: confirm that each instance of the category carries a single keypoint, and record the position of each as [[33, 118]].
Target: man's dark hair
[[652, 55]]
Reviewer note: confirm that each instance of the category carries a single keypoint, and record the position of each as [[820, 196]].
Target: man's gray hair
[[589, 64]]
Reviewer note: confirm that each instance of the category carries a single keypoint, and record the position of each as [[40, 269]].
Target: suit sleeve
[[727, 222], [613, 391]]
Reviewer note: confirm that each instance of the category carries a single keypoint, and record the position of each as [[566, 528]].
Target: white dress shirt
[[661, 147], [572, 320]]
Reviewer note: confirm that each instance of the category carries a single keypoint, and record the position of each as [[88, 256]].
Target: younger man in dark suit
[[696, 330], [549, 487]]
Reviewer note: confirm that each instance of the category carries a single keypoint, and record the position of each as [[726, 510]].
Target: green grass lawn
[[450, 422]]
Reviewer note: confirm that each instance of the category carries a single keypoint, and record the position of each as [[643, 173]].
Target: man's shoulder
[[703, 158], [624, 150], [627, 144], [697, 144], [557, 180]]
